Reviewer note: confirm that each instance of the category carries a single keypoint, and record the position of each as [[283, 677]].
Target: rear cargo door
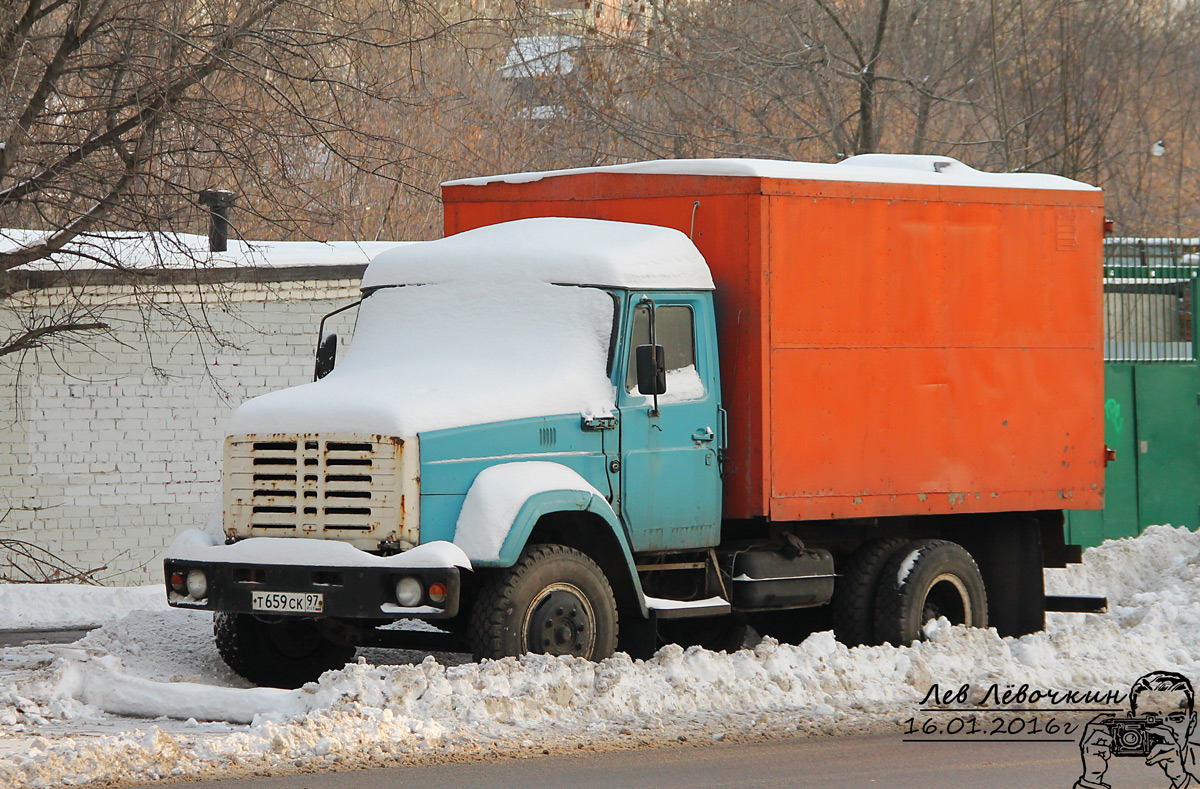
[[670, 476]]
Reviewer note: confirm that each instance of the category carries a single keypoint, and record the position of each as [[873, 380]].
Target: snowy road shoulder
[[73, 605], [156, 664]]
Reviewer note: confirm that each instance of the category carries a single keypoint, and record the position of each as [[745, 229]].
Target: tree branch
[[36, 338]]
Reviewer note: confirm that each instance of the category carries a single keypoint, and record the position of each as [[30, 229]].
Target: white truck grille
[[357, 489]]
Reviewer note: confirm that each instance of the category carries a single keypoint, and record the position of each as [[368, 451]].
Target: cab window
[[675, 330]]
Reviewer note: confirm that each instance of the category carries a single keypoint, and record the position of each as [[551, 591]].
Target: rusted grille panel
[[345, 486]]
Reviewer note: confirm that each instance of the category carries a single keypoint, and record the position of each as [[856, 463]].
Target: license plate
[[288, 602]]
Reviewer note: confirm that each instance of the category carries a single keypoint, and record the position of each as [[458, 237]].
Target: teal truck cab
[[526, 447]]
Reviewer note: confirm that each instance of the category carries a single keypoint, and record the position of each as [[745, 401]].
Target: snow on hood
[[550, 249], [455, 354], [866, 168]]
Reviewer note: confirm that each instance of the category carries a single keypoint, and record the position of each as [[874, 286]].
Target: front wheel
[[280, 654], [924, 580], [555, 600]]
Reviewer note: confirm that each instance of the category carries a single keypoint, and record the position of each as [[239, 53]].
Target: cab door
[[670, 472]]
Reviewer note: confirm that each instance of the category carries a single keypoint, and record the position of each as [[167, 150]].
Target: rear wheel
[[925, 580], [280, 654], [555, 600], [855, 589]]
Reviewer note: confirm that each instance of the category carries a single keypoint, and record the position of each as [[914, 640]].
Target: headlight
[[408, 591], [197, 584]]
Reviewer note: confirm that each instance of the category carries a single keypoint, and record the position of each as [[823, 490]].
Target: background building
[[111, 445]]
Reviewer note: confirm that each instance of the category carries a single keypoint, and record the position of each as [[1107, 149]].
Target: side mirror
[[651, 369], [326, 356]]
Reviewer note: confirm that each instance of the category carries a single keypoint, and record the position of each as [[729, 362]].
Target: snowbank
[[71, 605], [365, 711]]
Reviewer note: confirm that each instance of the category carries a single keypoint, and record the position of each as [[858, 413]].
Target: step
[[1077, 603], [684, 609]]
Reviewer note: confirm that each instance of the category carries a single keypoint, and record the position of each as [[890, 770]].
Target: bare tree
[[1082, 89], [116, 113]]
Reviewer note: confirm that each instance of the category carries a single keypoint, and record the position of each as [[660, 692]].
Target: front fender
[[507, 500]]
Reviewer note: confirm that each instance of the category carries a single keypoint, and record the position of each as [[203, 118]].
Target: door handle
[[703, 434], [596, 423]]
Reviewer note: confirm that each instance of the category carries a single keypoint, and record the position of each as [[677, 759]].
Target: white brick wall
[[108, 451]]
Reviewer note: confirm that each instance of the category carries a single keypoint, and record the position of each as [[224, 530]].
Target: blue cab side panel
[[660, 472], [451, 459]]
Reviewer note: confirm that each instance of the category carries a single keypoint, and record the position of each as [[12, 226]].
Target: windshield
[[427, 357]]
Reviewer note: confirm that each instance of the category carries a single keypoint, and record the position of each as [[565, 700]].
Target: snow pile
[[441, 356], [428, 710], [73, 605]]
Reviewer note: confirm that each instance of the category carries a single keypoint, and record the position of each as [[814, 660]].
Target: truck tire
[[555, 600], [283, 654], [854, 591], [714, 633], [923, 580]]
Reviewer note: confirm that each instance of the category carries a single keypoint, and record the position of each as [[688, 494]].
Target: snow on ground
[[64, 710], [71, 605]]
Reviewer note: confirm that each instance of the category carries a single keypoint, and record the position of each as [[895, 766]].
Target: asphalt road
[[884, 761], [60, 635]]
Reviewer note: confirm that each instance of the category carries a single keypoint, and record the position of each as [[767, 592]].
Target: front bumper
[[352, 590]]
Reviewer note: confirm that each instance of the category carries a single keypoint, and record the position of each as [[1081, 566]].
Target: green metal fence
[[1152, 390], [1148, 314]]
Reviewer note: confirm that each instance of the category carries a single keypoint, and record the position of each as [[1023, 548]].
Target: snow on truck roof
[[556, 250], [865, 168]]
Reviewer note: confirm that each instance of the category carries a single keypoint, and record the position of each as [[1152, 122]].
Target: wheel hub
[[948, 597], [560, 622]]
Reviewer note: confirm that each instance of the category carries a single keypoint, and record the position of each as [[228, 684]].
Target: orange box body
[[886, 349]]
